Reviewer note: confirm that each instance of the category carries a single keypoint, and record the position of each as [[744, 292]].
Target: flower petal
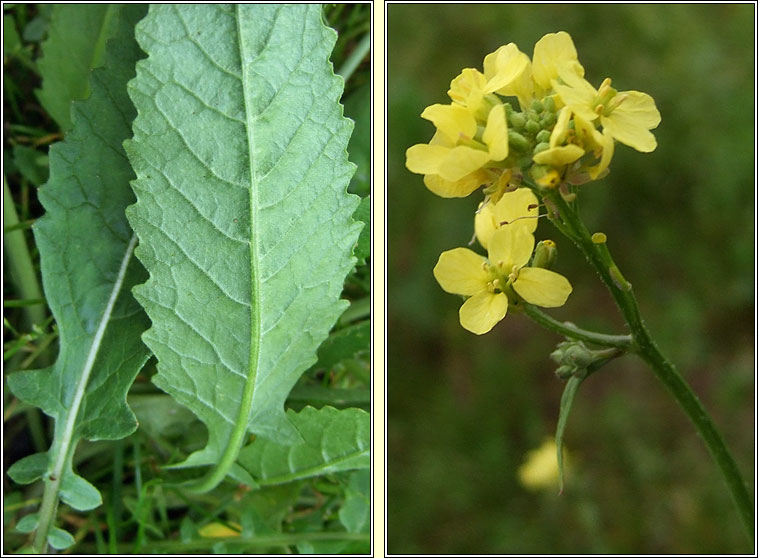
[[481, 312], [510, 246], [424, 158], [542, 287], [551, 52], [461, 271], [496, 133], [467, 88], [460, 161], [519, 208], [451, 120], [632, 119], [559, 156], [503, 67], [577, 93], [456, 188]]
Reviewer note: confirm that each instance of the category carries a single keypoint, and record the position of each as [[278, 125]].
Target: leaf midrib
[[230, 452]]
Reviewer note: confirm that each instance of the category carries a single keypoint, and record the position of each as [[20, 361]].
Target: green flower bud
[[545, 254], [532, 126], [540, 147], [543, 136], [536, 106], [547, 119], [517, 120], [564, 372], [531, 114], [508, 110], [517, 141], [549, 104]]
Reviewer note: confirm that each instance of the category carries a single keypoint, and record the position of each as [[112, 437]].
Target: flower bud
[[517, 120], [532, 126], [543, 136], [540, 147], [548, 119], [517, 141], [545, 254], [549, 104]]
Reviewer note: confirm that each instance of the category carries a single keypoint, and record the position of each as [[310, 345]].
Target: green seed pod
[[545, 254], [543, 136]]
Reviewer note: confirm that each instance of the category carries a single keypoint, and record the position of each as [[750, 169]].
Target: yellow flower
[[628, 116], [540, 468], [551, 53], [517, 208], [486, 280], [559, 155], [503, 67], [456, 153]]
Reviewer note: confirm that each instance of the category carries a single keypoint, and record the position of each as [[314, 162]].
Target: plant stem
[[599, 257], [570, 330]]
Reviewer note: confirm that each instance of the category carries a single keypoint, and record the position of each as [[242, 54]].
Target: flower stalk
[[644, 346]]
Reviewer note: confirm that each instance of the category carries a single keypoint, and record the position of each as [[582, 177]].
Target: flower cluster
[[559, 131], [563, 129]]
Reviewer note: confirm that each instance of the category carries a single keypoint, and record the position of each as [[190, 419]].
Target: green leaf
[[344, 343], [358, 107], [75, 45], [11, 40], [567, 399], [32, 164], [29, 469], [28, 523], [243, 217], [363, 214], [355, 513], [333, 440], [59, 539], [85, 247]]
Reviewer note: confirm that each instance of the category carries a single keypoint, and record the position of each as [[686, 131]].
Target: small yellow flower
[[517, 209], [540, 468], [628, 116], [486, 280], [456, 153]]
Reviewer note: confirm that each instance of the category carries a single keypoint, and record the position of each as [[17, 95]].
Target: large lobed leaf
[[333, 440], [85, 246], [75, 44], [242, 215]]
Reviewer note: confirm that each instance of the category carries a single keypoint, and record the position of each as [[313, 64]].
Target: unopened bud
[[549, 104], [543, 136], [532, 126], [517, 120], [547, 119], [541, 147], [545, 254], [517, 141]]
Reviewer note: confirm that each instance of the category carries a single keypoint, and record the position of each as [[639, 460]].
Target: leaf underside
[[243, 219], [85, 246]]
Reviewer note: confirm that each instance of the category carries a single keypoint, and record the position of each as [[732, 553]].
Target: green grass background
[[463, 410]]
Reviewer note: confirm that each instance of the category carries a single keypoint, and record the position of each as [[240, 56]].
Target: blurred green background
[[463, 410]]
